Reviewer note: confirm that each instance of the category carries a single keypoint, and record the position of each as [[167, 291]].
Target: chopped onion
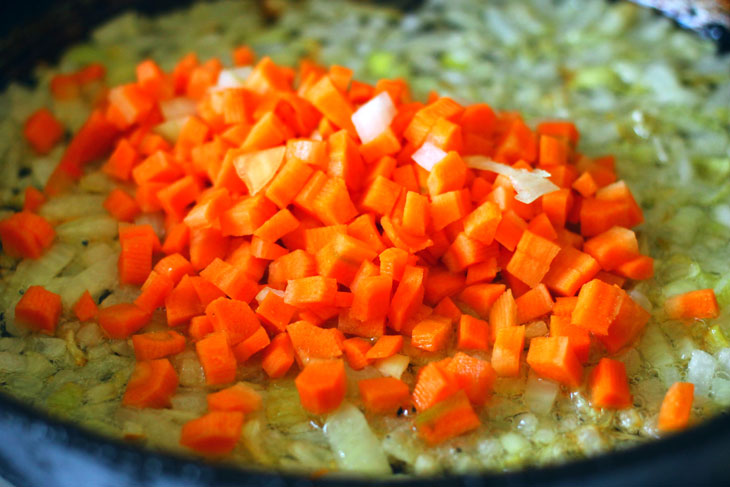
[[178, 108], [700, 370], [723, 358], [374, 117], [354, 444], [393, 366], [428, 155], [529, 185], [233, 78], [540, 394]]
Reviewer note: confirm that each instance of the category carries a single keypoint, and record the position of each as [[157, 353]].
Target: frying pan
[[36, 450]]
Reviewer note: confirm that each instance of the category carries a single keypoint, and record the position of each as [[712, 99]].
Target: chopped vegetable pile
[[311, 218], [333, 267]]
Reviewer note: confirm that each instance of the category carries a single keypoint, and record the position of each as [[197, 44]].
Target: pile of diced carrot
[[300, 229]]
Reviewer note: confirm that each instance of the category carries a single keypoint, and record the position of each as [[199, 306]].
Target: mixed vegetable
[[457, 286]]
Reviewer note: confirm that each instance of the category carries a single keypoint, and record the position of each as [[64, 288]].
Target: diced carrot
[[408, 296], [154, 291], [256, 342], [569, 270], [553, 358], [274, 313], [693, 305], [235, 318], [402, 239], [386, 346], [561, 129], [122, 320], [448, 309], [639, 268], [232, 280], [434, 384], [464, 252], [481, 297], [42, 131], [151, 385], [449, 207], [627, 325], [157, 344], [507, 352], [238, 397], [217, 359], [447, 419], [308, 291], [432, 334], [322, 386], [32, 199], [85, 307], [355, 350], [381, 195], [532, 258], [609, 385], [371, 298], [367, 329], [341, 258], [135, 260], [207, 244], [579, 338], [278, 356], [183, 303], [612, 248], [215, 433], [311, 342], [384, 395], [121, 206], [474, 376], [332, 103], [39, 309], [534, 303], [473, 333], [26, 235], [503, 314], [333, 205], [449, 174], [676, 407], [200, 326], [597, 307]]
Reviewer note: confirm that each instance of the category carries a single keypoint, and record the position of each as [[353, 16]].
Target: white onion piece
[[233, 78], [529, 185], [393, 366], [374, 117], [700, 370], [723, 357], [355, 446], [540, 394], [178, 108], [428, 155]]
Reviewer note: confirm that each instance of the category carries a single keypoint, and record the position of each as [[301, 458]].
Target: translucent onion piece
[[374, 117], [233, 78], [540, 394], [428, 155], [178, 108], [393, 366], [530, 185], [700, 370], [354, 444]]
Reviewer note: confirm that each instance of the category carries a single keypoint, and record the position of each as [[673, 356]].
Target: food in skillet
[[294, 278]]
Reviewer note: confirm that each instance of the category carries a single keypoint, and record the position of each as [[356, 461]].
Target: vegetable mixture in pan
[[473, 236]]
